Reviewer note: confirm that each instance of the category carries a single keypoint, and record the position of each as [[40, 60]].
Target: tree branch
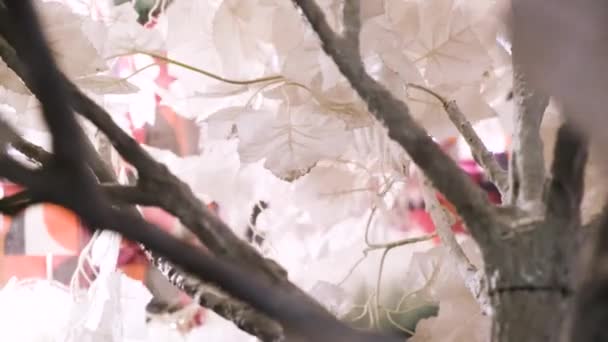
[[566, 188], [241, 314], [471, 203], [591, 308], [68, 182], [351, 15], [527, 163], [474, 279], [481, 154], [172, 194]]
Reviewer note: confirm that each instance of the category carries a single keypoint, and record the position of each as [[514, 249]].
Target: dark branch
[[67, 181], [591, 308], [172, 194], [568, 172], [243, 316], [446, 176]]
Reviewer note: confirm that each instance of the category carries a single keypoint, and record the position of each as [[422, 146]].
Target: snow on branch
[[472, 204]]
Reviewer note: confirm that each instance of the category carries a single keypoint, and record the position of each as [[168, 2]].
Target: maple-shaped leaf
[[10, 80], [190, 40], [104, 84], [448, 49], [222, 124], [310, 66], [403, 18], [74, 52], [239, 29], [373, 148], [124, 35], [25, 113], [333, 192], [288, 30], [291, 141]]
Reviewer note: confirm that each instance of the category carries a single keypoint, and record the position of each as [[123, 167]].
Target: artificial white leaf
[[103, 84], [331, 193], [9, 80], [448, 49], [221, 124], [373, 147], [370, 9], [308, 63], [339, 101], [238, 28], [459, 318], [190, 41], [211, 173], [496, 93], [301, 65], [403, 17], [292, 141], [75, 54], [26, 113], [333, 297], [287, 30], [125, 35]]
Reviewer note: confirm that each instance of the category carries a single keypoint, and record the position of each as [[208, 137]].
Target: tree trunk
[[530, 282]]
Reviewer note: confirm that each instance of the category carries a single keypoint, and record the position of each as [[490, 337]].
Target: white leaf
[[190, 41], [308, 64], [221, 123], [26, 112], [459, 318], [200, 106], [125, 35], [103, 84], [403, 17], [373, 147], [331, 193], [448, 49], [238, 30], [10, 80], [287, 29], [75, 54], [292, 141]]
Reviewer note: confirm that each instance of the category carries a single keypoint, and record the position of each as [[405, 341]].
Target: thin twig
[[170, 192], [527, 163], [470, 201], [68, 182], [473, 278], [481, 154], [201, 71], [351, 16], [566, 188], [402, 242], [245, 317]]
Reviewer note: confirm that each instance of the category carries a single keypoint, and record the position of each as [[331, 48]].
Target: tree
[[375, 58]]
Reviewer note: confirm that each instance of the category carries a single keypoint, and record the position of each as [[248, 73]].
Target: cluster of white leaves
[[459, 317], [448, 46], [279, 122]]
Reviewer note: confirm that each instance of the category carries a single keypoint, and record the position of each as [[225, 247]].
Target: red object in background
[[418, 216]]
